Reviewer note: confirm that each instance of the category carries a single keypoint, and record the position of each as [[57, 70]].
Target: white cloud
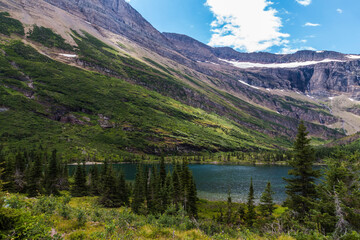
[[309, 24], [304, 2], [289, 50], [339, 10], [250, 25], [127, 1]]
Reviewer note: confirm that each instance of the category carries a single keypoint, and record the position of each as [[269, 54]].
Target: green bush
[[48, 38], [9, 25]]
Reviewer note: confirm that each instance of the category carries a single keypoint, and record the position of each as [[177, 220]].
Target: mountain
[[100, 78]]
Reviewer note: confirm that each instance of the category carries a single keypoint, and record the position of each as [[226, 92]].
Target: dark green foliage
[[300, 187], [162, 171], [52, 175], [9, 25], [114, 192], [34, 179], [64, 178], [139, 190], [79, 188], [1, 181], [48, 38], [19, 177], [94, 181], [192, 197], [267, 205], [251, 214], [339, 203], [152, 195]]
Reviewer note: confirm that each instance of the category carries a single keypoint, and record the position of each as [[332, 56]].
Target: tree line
[[155, 188]]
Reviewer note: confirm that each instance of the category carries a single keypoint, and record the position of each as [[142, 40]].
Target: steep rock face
[[196, 50], [336, 77], [116, 16], [191, 48]]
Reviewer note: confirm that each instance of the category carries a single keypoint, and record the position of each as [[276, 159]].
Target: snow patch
[[319, 51], [68, 55], [268, 89], [351, 99], [353, 56], [211, 63], [245, 83], [331, 98], [277, 65], [88, 22]]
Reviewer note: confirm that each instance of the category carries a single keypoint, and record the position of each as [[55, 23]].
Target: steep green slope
[[78, 111]]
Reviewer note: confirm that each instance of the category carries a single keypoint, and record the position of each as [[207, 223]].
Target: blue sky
[[278, 26]]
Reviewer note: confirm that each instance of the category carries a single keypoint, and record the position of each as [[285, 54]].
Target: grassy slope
[[142, 120]]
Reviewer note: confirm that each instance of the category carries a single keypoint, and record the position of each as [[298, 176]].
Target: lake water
[[214, 181]]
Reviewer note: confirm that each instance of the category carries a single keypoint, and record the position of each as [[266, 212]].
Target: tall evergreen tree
[[139, 190], [1, 181], [192, 197], [267, 205], [162, 171], [64, 178], [111, 196], [251, 214], [52, 179], [79, 188], [176, 185], [300, 187], [34, 179], [340, 194], [123, 189], [94, 181], [19, 175]]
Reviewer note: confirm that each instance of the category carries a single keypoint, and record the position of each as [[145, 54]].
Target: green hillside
[[84, 112]]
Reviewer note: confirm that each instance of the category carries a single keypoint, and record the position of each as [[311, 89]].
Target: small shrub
[[78, 235]]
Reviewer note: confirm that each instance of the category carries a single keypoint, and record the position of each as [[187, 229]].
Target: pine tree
[[9, 175], [79, 189], [34, 187], [94, 181], [64, 178], [176, 185], [123, 189], [162, 171], [251, 214], [52, 180], [111, 196], [267, 205], [340, 194], [19, 176], [192, 197], [139, 190], [1, 181], [301, 189]]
